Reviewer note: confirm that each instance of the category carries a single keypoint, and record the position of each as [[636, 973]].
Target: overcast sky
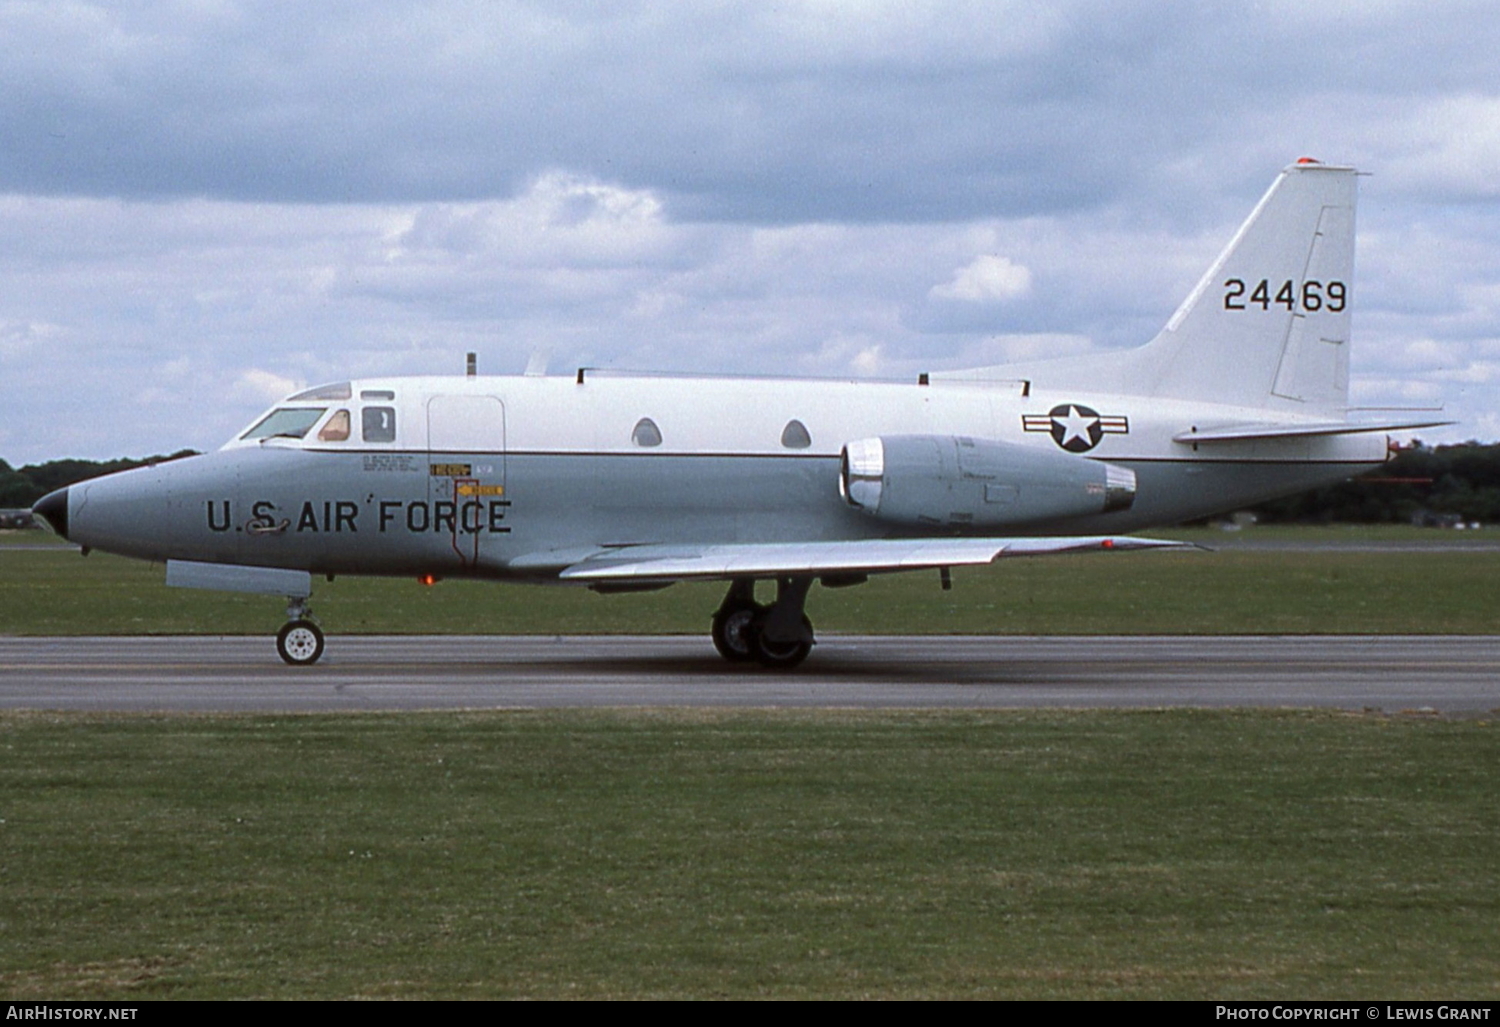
[[206, 204]]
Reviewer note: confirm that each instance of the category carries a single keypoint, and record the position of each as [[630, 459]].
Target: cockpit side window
[[378, 424], [285, 423], [336, 428]]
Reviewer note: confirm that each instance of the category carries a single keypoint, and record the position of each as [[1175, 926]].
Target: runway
[[1451, 675]]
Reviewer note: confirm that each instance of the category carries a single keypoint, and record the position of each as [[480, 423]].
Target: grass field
[[714, 854], [57, 592], [1162, 854]]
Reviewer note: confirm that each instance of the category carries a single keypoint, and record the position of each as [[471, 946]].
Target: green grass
[[15, 537], [1332, 532], [1172, 854], [57, 592]]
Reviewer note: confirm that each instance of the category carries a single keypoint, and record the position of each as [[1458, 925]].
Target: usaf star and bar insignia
[[1076, 428]]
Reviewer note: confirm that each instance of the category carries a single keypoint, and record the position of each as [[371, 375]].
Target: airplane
[[624, 483]]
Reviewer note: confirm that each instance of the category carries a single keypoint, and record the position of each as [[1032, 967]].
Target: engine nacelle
[[958, 481]]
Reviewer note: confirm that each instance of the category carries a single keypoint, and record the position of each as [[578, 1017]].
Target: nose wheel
[[300, 641]]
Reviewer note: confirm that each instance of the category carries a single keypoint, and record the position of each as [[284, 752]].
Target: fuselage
[[521, 476]]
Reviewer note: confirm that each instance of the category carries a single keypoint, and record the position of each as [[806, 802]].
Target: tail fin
[[1268, 325]]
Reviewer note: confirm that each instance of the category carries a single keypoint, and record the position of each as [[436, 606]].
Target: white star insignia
[[1075, 426]]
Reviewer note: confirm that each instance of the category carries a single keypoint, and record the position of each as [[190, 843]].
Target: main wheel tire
[[300, 643], [733, 633], [779, 655]]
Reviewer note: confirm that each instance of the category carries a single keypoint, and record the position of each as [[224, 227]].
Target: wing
[[806, 559]]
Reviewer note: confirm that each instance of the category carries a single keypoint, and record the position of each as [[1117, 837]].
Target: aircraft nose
[[53, 508]]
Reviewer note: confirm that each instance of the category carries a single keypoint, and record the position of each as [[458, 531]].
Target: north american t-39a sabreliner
[[623, 483]]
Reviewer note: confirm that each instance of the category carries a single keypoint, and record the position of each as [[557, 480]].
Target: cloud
[[784, 113], [987, 279], [1452, 149], [560, 218], [265, 386], [23, 337], [196, 194]]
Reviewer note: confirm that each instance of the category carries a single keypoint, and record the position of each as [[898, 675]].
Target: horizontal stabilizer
[[1283, 430], [794, 559]]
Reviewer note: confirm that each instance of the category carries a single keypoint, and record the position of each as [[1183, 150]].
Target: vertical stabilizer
[[1268, 325]]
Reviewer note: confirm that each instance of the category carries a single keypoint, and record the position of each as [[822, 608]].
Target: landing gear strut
[[778, 636], [300, 641]]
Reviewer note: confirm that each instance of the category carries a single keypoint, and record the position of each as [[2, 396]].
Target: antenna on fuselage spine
[[471, 365]]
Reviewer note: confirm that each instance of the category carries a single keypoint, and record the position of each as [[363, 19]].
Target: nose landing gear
[[300, 640]]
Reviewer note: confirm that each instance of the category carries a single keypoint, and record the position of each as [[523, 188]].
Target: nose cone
[[53, 508]]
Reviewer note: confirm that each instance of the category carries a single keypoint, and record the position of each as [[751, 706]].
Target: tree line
[[21, 488], [1431, 483], [1423, 484]]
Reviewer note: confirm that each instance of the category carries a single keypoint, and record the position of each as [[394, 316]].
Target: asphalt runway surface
[[1448, 675]]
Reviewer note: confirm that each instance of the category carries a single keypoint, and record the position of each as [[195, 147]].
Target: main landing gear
[[778, 636], [300, 641]]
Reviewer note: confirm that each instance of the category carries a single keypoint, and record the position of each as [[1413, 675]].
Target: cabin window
[[385, 394], [646, 433], [338, 390], [794, 435], [378, 424], [336, 428], [285, 423]]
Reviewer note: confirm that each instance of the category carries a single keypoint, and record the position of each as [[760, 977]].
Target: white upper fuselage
[[704, 416]]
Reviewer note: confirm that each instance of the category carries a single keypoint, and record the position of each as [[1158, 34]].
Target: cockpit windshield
[[285, 423]]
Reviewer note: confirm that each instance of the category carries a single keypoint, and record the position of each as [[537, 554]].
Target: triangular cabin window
[[794, 435], [646, 433]]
